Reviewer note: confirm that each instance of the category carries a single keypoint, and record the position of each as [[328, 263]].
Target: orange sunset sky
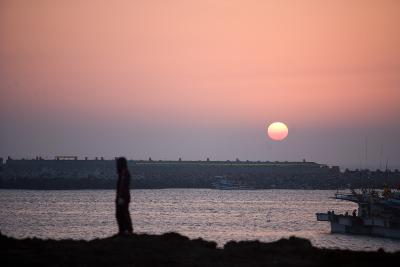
[[200, 78]]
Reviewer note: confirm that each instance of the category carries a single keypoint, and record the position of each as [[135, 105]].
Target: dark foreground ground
[[172, 249]]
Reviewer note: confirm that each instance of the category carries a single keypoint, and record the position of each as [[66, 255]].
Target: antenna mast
[[366, 152]]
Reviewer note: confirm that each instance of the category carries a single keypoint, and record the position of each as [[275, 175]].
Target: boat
[[222, 183], [378, 214]]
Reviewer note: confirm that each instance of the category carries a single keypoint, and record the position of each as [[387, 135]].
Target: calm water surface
[[217, 215]]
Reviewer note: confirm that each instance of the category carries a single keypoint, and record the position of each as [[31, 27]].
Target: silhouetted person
[[123, 197]]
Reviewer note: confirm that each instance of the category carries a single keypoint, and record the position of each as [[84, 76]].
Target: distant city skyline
[[197, 79]]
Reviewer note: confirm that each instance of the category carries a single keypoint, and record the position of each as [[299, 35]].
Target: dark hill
[[172, 249]]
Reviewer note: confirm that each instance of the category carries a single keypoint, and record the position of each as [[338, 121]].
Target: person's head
[[122, 164]]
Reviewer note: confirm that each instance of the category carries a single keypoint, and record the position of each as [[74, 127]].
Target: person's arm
[[124, 188], [125, 183], [120, 199]]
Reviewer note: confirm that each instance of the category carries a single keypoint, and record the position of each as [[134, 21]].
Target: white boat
[[223, 183], [378, 214]]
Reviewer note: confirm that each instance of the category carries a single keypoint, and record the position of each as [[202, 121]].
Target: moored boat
[[378, 214]]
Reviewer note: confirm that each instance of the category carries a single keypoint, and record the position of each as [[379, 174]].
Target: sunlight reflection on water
[[217, 215]]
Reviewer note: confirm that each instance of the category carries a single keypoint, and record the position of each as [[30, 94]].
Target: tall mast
[[366, 153]]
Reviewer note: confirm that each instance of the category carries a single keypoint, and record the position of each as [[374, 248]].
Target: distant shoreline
[[74, 174]]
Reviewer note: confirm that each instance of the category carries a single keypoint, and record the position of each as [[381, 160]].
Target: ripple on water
[[266, 215]]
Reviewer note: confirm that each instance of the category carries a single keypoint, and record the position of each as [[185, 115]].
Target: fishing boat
[[378, 214]]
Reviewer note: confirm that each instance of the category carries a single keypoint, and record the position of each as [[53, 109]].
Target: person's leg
[[127, 224], [119, 214], [128, 220]]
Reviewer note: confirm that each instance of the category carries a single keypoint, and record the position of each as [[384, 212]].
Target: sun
[[278, 131]]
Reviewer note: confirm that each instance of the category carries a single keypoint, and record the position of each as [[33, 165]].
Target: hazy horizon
[[198, 79]]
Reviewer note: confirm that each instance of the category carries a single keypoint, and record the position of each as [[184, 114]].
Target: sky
[[201, 78]]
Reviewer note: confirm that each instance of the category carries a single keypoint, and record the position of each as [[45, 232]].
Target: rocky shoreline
[[172, 249]]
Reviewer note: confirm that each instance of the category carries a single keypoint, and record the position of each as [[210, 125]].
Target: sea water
[[218, 215]]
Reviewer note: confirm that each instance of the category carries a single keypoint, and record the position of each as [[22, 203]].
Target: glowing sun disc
[[278, 131]]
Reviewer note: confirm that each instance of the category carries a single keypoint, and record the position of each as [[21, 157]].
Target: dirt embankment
[[172, 249]]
